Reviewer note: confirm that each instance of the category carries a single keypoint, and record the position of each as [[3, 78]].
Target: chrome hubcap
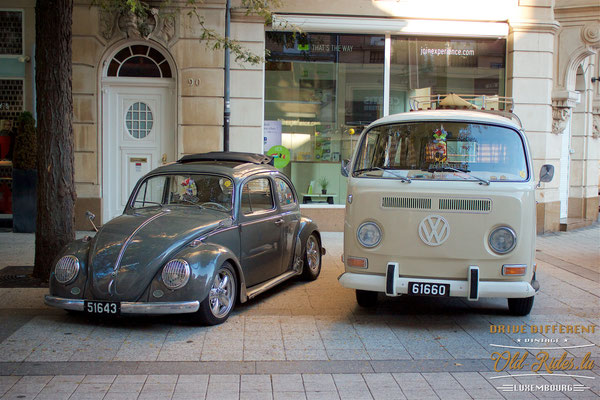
[[222, 293], [313, 256]]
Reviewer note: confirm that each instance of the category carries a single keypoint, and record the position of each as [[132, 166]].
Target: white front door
[[138, 136]]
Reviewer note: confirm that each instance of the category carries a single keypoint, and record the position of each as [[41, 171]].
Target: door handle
[[279, 222], [164, 158]]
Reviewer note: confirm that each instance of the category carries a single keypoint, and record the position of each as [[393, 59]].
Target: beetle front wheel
[[217, 306]]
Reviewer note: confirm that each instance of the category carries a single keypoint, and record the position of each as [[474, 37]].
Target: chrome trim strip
[[128, 307], [262, 287], [128, 240], [173, 307], [257, 221]]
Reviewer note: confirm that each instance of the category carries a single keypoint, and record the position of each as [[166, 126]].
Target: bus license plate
[[102, 307], [428, 289]]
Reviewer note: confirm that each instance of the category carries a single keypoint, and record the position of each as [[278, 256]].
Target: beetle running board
[[262, 287]]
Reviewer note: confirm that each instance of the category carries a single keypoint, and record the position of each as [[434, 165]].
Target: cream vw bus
[[442, 203]]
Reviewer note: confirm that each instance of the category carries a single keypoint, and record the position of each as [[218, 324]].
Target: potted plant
[[24, 174], [324, 183]]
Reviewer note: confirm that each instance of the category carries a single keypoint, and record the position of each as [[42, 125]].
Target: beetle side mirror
[[345, 166], [546, 173], [91, 217]]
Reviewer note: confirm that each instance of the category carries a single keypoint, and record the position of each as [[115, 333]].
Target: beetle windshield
[[442, 151], [208, 191]]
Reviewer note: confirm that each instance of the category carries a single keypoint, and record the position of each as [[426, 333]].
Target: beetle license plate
[[102, 307], [428, 289]]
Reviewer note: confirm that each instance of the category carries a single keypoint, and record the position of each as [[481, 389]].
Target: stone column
[[529, 82]]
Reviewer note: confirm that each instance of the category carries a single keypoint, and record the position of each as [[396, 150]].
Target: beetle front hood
[[128, 251]]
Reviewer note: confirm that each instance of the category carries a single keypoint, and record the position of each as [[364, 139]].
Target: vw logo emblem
[[434, 230]]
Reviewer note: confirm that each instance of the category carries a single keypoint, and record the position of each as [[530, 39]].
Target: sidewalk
[[307, 341]]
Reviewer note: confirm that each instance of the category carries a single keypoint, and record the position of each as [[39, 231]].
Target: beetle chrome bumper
[[458, 288], [128, 307]]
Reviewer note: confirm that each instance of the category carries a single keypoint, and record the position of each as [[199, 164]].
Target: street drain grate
[[19, 277]]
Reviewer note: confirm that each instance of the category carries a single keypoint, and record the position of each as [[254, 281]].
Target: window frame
[[291, 187], [252, 213]]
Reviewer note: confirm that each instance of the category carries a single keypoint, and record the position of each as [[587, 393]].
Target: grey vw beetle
[[196, 236]]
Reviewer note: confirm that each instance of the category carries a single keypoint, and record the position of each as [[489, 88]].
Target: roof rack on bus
[[498, 105], [234, 156]]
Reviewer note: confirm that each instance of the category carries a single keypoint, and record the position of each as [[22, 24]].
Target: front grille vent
[[471, 205], [406, 202]]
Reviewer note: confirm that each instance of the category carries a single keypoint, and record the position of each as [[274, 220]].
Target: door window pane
[[284, 192], [151, 192], [256, 196]]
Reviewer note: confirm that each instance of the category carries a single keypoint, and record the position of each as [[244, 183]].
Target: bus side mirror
[[345, 165], [546, 173]]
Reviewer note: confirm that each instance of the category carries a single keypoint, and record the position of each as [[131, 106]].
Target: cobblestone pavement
[[311, 341]]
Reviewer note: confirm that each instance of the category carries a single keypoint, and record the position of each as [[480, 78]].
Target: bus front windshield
[[445, 151]]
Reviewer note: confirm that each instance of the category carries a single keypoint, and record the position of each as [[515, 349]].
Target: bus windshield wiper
[[390, 170], [445, 168]]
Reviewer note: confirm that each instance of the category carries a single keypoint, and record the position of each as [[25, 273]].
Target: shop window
[[430, 66], [322, 89], [139, 61], [11, 99], [11, 32]]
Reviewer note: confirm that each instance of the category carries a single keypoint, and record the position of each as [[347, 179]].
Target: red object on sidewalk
[[5, 196], [4, 146]]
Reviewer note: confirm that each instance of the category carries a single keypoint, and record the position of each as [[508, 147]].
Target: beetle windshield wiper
[[445, 168], [390, 170]]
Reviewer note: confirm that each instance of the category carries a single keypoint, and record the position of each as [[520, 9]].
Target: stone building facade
[[144, 98]]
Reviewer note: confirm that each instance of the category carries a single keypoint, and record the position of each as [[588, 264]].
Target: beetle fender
[[79, 249], [307, 226], [204, 261]]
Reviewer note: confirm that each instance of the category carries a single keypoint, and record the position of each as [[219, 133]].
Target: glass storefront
[[322, 89]]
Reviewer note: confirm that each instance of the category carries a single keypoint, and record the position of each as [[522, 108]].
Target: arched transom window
[[139, 61]]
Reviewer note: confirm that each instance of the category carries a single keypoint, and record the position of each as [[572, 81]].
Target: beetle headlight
[[176, 273], [66, 269], [369, 234], [502, 240]]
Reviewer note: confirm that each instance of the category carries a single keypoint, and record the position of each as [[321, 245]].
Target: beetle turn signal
[[514, 269]]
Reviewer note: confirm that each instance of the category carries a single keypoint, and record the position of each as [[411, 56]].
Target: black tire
[[311, 267], [520, 307], [366, 298], [213, 310]]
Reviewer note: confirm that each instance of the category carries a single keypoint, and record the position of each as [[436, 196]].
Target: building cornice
[[533, 25]]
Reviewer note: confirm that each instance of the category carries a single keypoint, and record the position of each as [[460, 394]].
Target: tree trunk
[[54, 105]]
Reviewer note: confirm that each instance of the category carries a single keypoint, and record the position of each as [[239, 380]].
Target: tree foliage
[[215, 40]]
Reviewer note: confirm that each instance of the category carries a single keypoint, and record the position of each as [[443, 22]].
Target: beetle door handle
[[279, 221]]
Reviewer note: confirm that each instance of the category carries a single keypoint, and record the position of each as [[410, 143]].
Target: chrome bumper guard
[[394, 285], [129, 307]]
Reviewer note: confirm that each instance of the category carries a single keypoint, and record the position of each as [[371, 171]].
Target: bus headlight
[[502, 240], [369, 234]]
